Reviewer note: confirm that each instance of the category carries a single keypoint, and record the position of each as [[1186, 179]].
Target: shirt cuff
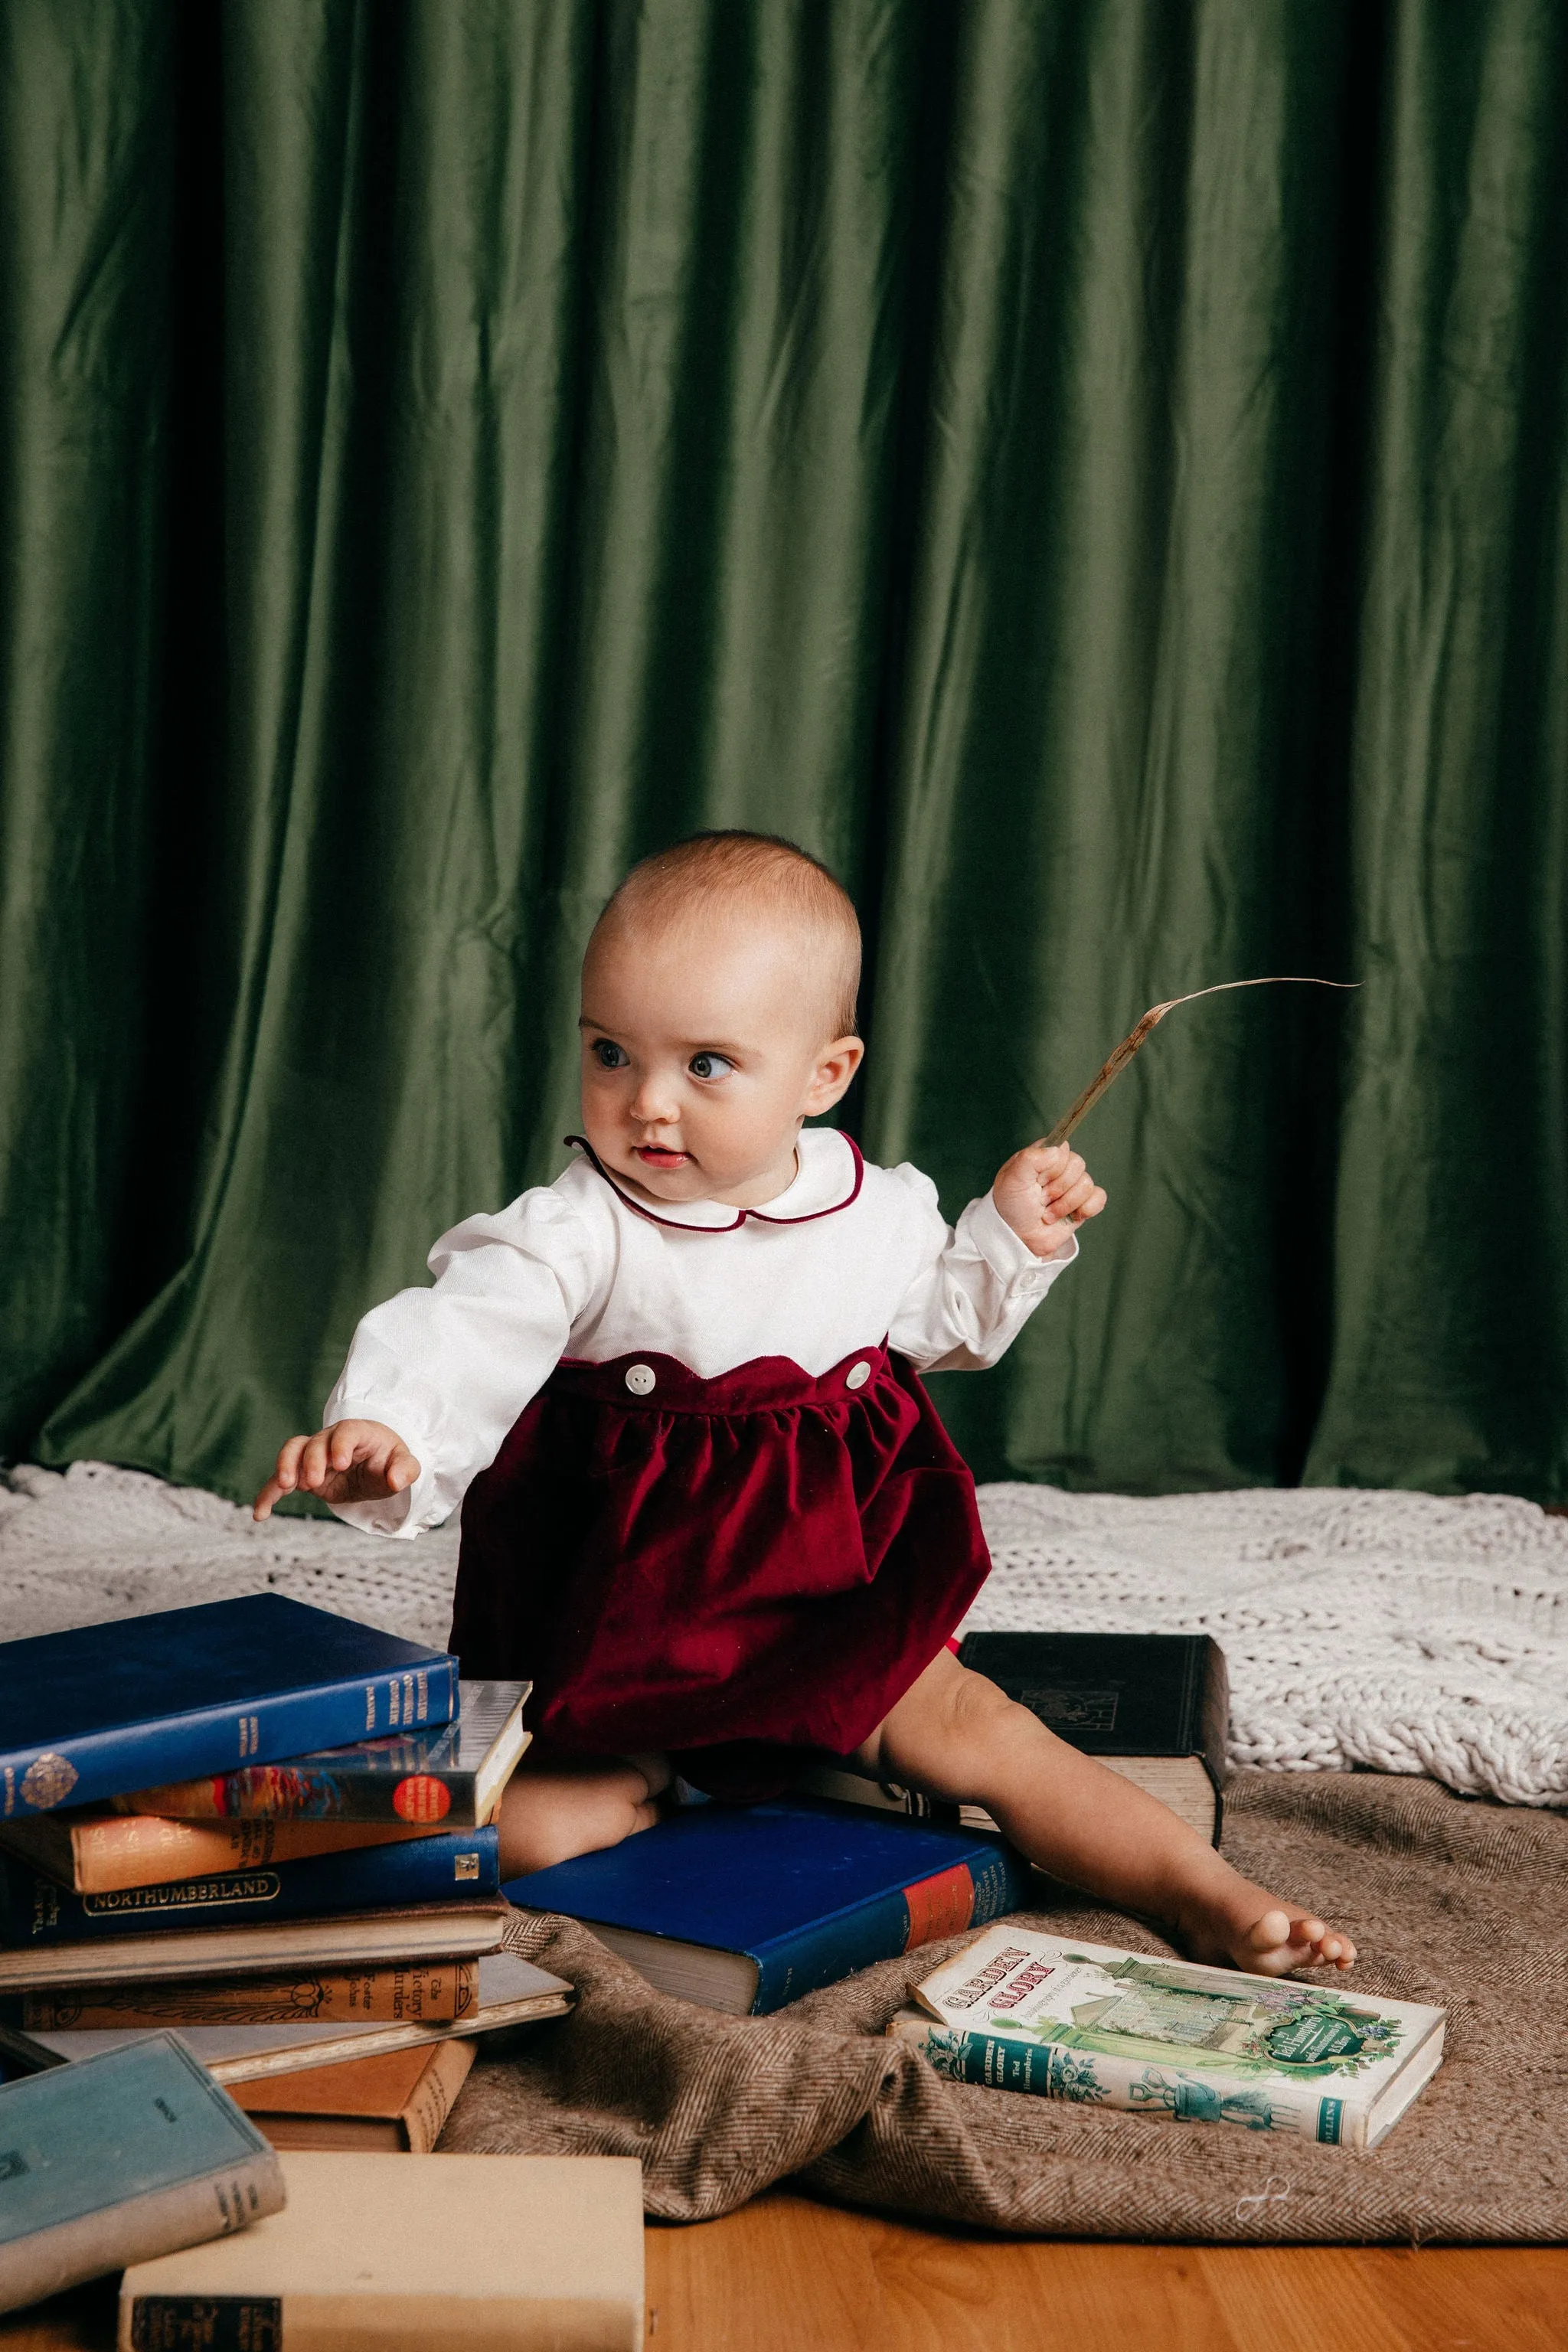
[[389, 1515], [1007, 1256]]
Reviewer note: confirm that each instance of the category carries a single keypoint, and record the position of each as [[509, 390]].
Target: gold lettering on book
[[186, 1894]]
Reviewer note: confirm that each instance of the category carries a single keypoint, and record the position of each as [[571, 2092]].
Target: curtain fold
[[1091, 470]]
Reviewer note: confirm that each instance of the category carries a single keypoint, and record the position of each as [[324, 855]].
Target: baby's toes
[[1313, 1944], [1269, 1949]]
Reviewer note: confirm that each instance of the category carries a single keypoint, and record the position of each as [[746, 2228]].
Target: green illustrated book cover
[[1087, 2023]]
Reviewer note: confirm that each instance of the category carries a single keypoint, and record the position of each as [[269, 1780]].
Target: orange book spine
[[422, 1992], [143, 1850]]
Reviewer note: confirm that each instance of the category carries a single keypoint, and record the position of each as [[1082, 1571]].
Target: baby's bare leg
[[551, 1812], [955, 1734]]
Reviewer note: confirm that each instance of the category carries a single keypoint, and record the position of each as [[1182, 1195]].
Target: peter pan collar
[[820, 1174]]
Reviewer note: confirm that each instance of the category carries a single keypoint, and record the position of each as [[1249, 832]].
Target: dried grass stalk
[[1146, 1027]]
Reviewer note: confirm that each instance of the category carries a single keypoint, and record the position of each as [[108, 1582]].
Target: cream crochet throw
[[1397, 1630]]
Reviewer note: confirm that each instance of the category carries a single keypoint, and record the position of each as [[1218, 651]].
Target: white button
[[641, 1380], [856, 1376]]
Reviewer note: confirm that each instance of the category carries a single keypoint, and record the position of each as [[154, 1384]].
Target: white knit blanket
[[1391, 1630]]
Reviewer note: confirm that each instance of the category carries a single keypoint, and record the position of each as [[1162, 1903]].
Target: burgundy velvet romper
[[746, 1568]]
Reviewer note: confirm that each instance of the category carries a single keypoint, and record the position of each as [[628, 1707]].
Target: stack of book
[[271, 1831], [139, 2160]]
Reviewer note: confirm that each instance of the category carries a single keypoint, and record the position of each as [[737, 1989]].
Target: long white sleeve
[[978, 1288], [450, 1368], [847, 1254]]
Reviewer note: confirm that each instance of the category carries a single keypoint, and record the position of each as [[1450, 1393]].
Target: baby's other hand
[[1043, 1192], [352, 1462]]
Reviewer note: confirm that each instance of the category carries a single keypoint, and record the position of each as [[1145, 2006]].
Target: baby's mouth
[[654, 1155]]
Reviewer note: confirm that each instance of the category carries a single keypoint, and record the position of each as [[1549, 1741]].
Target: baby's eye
[[609, 1055], [709, 1065]]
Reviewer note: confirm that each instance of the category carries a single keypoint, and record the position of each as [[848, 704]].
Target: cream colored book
[[457, 1931], [380, 2253]]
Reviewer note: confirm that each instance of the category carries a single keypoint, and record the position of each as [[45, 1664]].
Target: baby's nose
[[651, 1104]]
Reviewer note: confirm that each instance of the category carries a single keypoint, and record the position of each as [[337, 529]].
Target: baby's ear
[[836, 1065]]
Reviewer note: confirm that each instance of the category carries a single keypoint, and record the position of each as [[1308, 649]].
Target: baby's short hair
[[707, 868]]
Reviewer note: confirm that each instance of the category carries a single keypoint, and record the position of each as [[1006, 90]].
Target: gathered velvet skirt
[[740, 1572]]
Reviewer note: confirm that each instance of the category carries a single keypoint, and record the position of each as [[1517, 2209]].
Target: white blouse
[[575, 1269]]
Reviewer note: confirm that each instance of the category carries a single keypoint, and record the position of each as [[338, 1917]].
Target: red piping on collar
[[674, 1224]]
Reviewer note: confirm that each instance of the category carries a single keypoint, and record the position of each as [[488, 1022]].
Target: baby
[[708, 1507]]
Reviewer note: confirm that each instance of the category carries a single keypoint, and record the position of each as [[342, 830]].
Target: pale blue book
[[119, 2159]]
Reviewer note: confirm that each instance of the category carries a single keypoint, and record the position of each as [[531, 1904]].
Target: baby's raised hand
[[352, 1462], [1043, 1192]]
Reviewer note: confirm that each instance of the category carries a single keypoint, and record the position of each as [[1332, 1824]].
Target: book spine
[[1005, 2062], [217, 1739], [461, 1866], [424, 1993], [985, 1887], [214, 2323], [159, 2221], [1214, 1725], [347, 2320], [1000, 1885], [140, 1850], [302, 1790], [425, 2116]]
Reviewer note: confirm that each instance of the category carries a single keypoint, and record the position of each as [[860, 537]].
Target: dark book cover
[[447, 1773], [1115, 1694], [809, 1890], [457, 1866], [90, 1713]]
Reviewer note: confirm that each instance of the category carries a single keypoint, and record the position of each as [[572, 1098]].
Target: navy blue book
[[107, 1709], [743, 1908], [453, 1866]]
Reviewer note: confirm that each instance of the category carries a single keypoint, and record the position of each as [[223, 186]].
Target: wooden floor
[[788, 2275]]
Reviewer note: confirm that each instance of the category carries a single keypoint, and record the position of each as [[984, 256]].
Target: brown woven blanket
[[1463, 1902]]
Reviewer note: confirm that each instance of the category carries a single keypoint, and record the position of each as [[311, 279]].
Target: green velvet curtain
[[1093, 470]]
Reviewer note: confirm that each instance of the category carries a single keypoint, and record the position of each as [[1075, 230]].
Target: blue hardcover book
[[451, 1866], [745, 1907], [106, 1708], [118, 2159]]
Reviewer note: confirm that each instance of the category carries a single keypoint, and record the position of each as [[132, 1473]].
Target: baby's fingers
[[1069, 1170], [315, 1462], [284, 1479], [1071, 1203], [401, 1469]]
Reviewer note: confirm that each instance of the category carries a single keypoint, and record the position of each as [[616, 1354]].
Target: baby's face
[[702, 1051]]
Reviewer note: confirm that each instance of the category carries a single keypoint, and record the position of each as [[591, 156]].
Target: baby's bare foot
[[1285, 1939], [1241, 1923]]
